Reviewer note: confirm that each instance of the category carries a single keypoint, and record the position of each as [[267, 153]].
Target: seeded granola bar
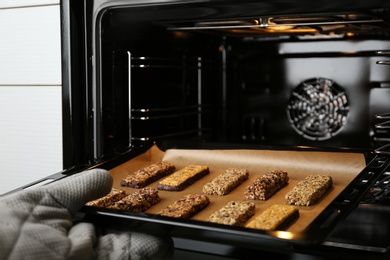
[[235, 213], [183, 178], [147, 175], [267, 185], [138, 201], [110, 198], [275, 217], [309, 190], [186, 207], [226, 182]]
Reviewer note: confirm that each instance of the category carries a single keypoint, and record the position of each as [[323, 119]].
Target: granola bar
[[186, 207], [147, 175], [110, 198], [309, 190], [267, 185], [226, 182], [275, 217], [138, 201], [235, 213], [183, 178]]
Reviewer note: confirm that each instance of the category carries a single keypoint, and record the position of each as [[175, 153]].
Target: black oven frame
[[78, 20]]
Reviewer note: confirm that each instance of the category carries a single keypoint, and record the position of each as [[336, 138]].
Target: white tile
[[22, 3], [30, 134], [30, 46]]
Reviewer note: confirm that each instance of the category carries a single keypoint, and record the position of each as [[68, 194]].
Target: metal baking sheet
[[344, 167]]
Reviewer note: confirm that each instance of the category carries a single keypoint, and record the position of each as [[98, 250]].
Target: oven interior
[[190, 72]]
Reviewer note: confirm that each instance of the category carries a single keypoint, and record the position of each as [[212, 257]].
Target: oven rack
[[380, 190], [188, 119], [382, 128], [382, 121], [201, 133], [150, 62], [145, 114], [162, 114], [383, 62]]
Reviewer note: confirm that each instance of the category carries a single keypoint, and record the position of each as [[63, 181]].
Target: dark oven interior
[[201, 72]]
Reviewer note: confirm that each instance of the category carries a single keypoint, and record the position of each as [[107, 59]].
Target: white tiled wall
[[30, 91]]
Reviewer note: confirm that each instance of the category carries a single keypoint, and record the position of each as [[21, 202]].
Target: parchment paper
[[343, 167]]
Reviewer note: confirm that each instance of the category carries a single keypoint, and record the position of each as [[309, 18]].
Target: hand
[[38, 224]]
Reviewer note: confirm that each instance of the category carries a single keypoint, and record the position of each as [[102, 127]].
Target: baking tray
[[354, 172], [351, 175]]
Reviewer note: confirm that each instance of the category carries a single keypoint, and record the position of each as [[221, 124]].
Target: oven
[[298, 76]]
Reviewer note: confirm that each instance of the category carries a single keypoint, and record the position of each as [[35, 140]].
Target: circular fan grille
[[318, 109]]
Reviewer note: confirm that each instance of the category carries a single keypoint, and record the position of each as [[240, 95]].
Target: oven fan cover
[[318, 109]]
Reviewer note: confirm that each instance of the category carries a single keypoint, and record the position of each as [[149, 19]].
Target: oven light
[[181, 35], [294, 30], [279, 27], [304, 146], [284, 234]]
